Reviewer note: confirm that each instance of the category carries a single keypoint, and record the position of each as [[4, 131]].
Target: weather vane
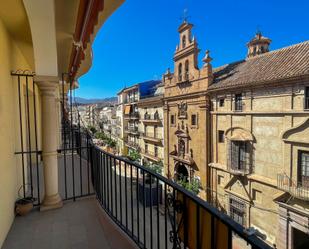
[[185, 15]]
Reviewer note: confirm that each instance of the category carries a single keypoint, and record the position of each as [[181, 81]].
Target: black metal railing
[[296, 189], [75, 151], [29, 153], [155, 212]]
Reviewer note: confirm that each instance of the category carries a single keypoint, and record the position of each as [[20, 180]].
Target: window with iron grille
[[307, 97], [237, 210], [303, 163], [240, 157], [238, 102]]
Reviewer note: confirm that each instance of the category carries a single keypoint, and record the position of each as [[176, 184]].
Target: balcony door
[[303, 162]]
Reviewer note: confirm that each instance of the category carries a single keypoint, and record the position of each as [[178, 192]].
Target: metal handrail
[[105, 171], [296, 189]]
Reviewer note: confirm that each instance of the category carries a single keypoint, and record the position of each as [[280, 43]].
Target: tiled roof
[[285, 63]]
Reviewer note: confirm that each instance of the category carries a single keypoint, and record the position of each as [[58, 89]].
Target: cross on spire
[[185, 15], [258, 30]]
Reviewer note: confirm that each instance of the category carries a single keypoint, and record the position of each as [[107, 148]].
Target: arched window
[[187, 70], [180, 72], [184, 41]]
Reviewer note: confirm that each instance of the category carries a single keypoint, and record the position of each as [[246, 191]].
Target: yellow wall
[[11, 59]]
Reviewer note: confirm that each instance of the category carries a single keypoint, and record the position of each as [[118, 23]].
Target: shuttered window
[[239, 156]]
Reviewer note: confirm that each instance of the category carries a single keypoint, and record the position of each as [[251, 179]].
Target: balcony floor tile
[[75, 226]]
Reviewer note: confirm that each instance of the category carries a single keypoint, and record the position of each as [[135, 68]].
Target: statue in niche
[[182, 110], [182, 147]]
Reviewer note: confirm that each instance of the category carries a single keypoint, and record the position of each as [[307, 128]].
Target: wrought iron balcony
[[133, 115], [150, 155], [296, 189], [151, 137], [152, 119], [132, 144], [132, 130], [130, 100], [153, 211]]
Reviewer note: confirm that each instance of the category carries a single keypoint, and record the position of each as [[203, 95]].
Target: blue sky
[[138, 41]]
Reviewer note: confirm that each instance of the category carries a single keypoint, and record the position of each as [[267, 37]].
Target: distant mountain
[[83, 101]]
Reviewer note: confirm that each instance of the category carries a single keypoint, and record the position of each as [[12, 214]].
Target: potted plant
[[24, 205]]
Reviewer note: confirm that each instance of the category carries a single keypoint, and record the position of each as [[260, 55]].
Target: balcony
[[134, 208], [151, 156], [132, 145], [132, 130], [130, 100], [133, 116], [151, 137], [296, 189], [152, 120]]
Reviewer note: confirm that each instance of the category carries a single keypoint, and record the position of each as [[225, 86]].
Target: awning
[[127, 109], [241, 135]]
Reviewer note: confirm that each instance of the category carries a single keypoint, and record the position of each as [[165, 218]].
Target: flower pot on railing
[[24, 205]]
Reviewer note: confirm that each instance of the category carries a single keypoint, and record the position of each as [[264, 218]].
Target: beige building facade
[[151, 126], [186, 115], [260, 142], [130, 119]]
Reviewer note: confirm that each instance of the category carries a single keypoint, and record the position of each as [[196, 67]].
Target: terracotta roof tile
[[285, 63]]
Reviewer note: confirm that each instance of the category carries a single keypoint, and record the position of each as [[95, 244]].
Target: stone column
[[48, 86]]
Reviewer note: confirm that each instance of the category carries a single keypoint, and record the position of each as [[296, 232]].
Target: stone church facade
[[186, 112]]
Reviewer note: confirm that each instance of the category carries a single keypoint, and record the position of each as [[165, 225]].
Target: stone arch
[[240, 134], [181, 172]]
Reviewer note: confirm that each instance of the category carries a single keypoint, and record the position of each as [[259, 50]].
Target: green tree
[[156, 167], [134, 155], [193, 186], [92, 129]]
